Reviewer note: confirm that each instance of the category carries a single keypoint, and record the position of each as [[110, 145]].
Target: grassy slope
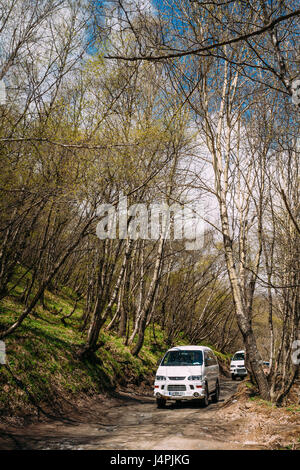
[[43, 369]]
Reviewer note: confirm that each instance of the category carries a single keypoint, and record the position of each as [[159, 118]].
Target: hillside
[[43, 373]]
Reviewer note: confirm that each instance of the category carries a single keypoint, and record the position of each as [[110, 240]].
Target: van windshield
[[238, 357], [183, 358]]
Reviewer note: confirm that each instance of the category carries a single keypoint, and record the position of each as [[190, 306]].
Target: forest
[[164, 102]]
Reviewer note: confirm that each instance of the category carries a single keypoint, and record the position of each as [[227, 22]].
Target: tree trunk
[[149, 299]]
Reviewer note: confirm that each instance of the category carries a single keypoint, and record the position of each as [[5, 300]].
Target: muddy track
[[128, 422]]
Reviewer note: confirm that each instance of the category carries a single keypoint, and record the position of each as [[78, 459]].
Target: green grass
[[293, 408], [260, 401], [42, 356]]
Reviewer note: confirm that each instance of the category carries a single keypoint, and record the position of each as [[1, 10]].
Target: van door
[[207, 369], [212, 370]]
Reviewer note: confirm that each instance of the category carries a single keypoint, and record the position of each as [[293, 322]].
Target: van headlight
[[160, 377], [195, 377]]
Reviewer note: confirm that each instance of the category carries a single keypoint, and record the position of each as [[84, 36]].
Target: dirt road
[[129, 422]]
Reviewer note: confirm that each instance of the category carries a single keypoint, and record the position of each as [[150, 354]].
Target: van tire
[[204, 402], [233, 376], [216, 395], [161, 403]]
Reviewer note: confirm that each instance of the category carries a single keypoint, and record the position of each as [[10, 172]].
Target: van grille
[[176, 388], [176, 378]]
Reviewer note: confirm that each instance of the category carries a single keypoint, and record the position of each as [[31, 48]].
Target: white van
[[237, 365], [187, 373]]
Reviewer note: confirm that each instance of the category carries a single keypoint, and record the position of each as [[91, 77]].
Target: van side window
[[206, 359], [213, 359]]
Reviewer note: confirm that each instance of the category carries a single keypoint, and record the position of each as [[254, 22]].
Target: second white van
[[237, 365]]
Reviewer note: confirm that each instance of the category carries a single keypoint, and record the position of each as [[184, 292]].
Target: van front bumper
[[239, 372], [180, 395]]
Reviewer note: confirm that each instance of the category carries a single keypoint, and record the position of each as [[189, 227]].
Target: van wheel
[[205, 400], [161, 403], [233, 376], [216, 395]]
